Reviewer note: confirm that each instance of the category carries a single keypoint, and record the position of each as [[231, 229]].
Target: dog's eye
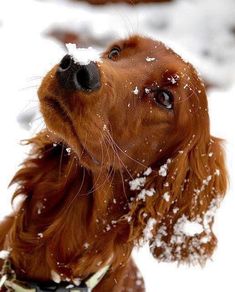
[[164, 98], [114, 53]]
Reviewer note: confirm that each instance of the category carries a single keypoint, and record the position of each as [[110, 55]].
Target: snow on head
[[173, 79], [149, 59], [83, 56], [136, 91]]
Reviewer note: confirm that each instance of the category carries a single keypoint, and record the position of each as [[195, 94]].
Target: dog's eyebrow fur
[[132, 42]]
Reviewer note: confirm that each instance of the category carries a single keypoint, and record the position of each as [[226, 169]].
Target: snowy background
[[202, 31]]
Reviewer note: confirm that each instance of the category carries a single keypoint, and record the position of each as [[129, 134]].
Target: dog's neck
[[70, 216]]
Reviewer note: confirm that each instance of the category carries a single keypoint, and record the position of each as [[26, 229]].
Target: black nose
[[72, 75]]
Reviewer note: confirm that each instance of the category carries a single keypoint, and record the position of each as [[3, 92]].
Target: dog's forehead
[[152, 55], [149, 48], [139, 43]]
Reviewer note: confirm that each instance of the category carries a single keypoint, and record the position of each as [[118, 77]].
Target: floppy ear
[[178, 215], [175, 205], [197, 184]]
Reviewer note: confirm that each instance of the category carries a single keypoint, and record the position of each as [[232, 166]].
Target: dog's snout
[[72, 75]]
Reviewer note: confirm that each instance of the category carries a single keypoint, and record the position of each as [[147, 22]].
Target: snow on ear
[[195, 185], [176, 203]]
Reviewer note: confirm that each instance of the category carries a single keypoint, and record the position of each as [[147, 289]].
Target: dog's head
[[136, 105], [142, 105]]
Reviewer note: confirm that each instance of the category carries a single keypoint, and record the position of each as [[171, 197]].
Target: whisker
[[123, 186], [70, 169], [61, 160], [40, 125], [117, 155], [34, 78], [29, 87], [120, 160], [124, 153], [92, 190], [77, 193], [37, 119]]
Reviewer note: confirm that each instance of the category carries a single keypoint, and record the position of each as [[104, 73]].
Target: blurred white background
[[202, 31]]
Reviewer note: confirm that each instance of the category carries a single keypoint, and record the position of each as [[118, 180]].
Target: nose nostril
[[65, 62], [72, 75], [82, 78]]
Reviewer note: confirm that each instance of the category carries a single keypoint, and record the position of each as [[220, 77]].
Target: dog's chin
[[60, 125]]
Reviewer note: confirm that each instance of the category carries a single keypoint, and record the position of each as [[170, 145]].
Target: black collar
[[9, 282], [61, 287]]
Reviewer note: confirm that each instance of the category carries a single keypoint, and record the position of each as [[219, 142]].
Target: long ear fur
[[177, 210]]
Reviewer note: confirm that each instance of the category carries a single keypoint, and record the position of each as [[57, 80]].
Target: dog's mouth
[[60, 111], [58, 108]]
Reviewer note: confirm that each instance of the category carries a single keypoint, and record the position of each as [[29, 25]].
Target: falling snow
[[148, 171], [149, 59], [137, 183], [147, 232], [166, 196], [142, 195], [136, 91]]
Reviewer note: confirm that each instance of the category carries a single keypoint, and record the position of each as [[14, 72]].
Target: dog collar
[[9, 282]]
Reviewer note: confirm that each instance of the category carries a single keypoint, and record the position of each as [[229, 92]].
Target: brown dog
[[127, 158]]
